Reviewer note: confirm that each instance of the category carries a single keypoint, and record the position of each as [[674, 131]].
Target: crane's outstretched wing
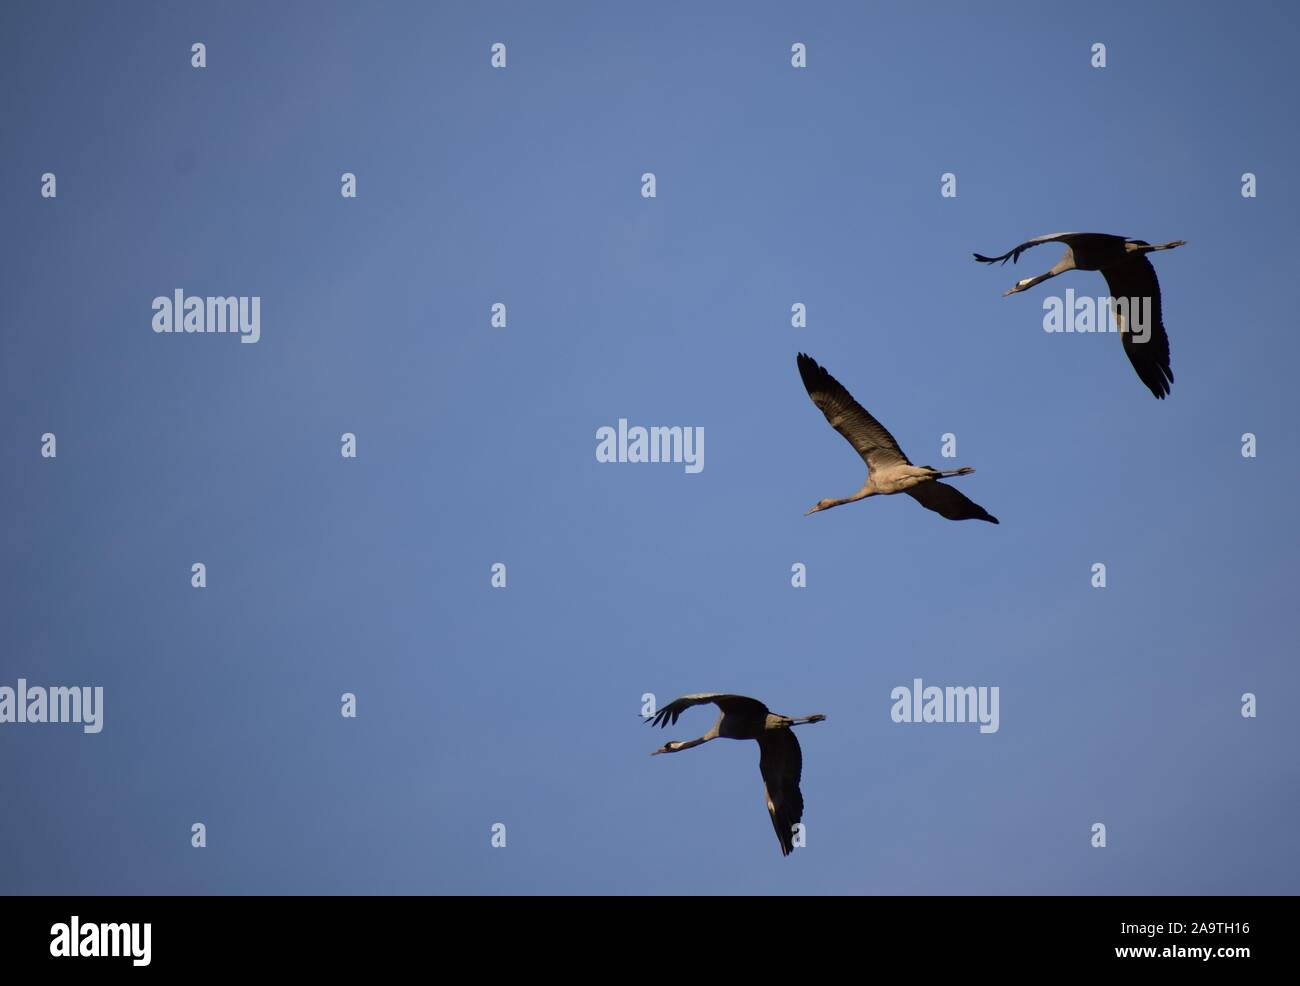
[[1135, 279], [948, 501], [780, 761], [1014, 254], [876, 445], [727, 703]]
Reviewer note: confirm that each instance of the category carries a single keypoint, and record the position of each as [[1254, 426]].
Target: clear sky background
[[476, 445]]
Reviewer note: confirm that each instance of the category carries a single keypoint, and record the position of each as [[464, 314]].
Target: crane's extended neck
[[1029, 282], [861, 494], [676, 746]]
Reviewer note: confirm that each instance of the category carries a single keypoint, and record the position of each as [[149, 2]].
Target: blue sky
[[476, 445]]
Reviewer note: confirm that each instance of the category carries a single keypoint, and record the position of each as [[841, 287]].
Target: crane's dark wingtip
[[814, 377], [1161, 387]]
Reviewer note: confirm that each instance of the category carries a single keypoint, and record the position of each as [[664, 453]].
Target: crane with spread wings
[[889, 470], [1130, 277], [780, 760]]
